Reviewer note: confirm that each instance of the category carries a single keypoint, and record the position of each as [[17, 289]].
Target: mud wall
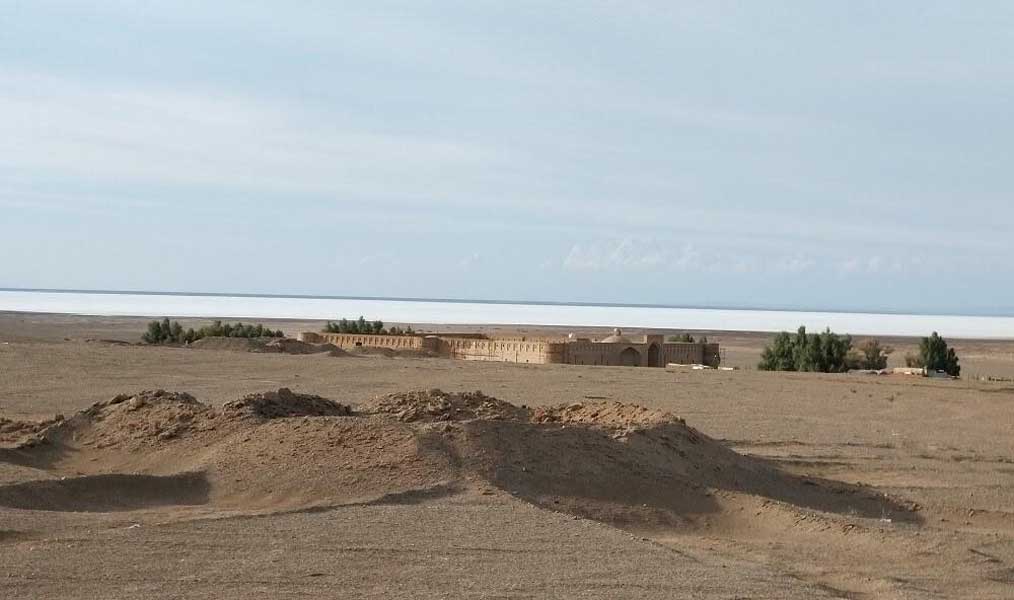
[[517, 350], [349, 340]]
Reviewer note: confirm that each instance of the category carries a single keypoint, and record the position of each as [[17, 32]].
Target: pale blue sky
[[837, 155]]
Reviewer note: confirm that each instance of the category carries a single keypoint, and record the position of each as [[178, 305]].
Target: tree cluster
[[362, 326], [824, 352], [828, 352], [870, 355], [934, 355], [685, 338], [166, 332]]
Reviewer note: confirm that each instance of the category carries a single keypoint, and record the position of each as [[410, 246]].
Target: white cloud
[[796, 263], [849, 265], [630, 254], [123, 133], [375, 260], [881, 264], [470, 260]]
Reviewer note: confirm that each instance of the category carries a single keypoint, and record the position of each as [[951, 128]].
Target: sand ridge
[[617, 463]]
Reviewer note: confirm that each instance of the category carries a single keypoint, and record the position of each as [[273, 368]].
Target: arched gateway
[[653, 356], [630, 358]]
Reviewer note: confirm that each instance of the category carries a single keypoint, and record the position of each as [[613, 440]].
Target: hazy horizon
[[848, 157], [463, 312], [535, 301]]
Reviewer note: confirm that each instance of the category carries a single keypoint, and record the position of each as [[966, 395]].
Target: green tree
[[836, 349], [873, 355], [684, 338], [166, 332], [363, 327], [935, 355], [153, 335], [826, 352], [779, 355]]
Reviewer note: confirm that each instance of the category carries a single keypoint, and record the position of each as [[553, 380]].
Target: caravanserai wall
[[683, 353], [587, 352], [651, 352], [352, 340], [519, 350]]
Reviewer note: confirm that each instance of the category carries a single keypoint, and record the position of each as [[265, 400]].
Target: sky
[[812, 155]]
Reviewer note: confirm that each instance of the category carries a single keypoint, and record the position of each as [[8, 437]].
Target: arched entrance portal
[[653, 360], [630, 358]]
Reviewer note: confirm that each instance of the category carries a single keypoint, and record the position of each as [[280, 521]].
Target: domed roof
[[616, 338]]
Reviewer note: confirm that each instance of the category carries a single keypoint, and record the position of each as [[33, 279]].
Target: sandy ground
[[843, 486]]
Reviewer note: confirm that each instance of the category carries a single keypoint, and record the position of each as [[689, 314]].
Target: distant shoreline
[[779, 309], [501, 313]]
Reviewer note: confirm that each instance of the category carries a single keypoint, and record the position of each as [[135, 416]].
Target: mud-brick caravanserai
[[616, 349]]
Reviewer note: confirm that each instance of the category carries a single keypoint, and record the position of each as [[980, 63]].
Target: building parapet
[[650, 351]]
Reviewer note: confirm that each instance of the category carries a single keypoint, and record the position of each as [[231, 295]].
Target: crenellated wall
[[517, 349], [651, 352], [352, 340], [643, 354]]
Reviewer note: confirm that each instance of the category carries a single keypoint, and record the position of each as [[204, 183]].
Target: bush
[[364, 327], [825, 352], [870, 354], [164, 332], [684, 338], [780, 355], [934, 355]]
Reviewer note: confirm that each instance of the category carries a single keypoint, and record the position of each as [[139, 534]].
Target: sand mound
[[619, 463], [373, 351], [605, 414], [131, 421], [291, 346], [231, 344], [106, 493], [285, 403], [392, 353], [437, 405], [151, 418], [270, 345], [15, 432]]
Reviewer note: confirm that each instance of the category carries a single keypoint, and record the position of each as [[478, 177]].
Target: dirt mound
[[106, 493], [605, 414], [151, 418], [130, 421], [618, 463], [393, 353], [285, 403], [372, 351], [291, 346], [231, 344], [262, 344], [437, 405], [13, 432]]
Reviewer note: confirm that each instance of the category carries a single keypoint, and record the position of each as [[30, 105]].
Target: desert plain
[[272, 475]]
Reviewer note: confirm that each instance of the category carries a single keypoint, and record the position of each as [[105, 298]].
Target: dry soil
[[277, 475]]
